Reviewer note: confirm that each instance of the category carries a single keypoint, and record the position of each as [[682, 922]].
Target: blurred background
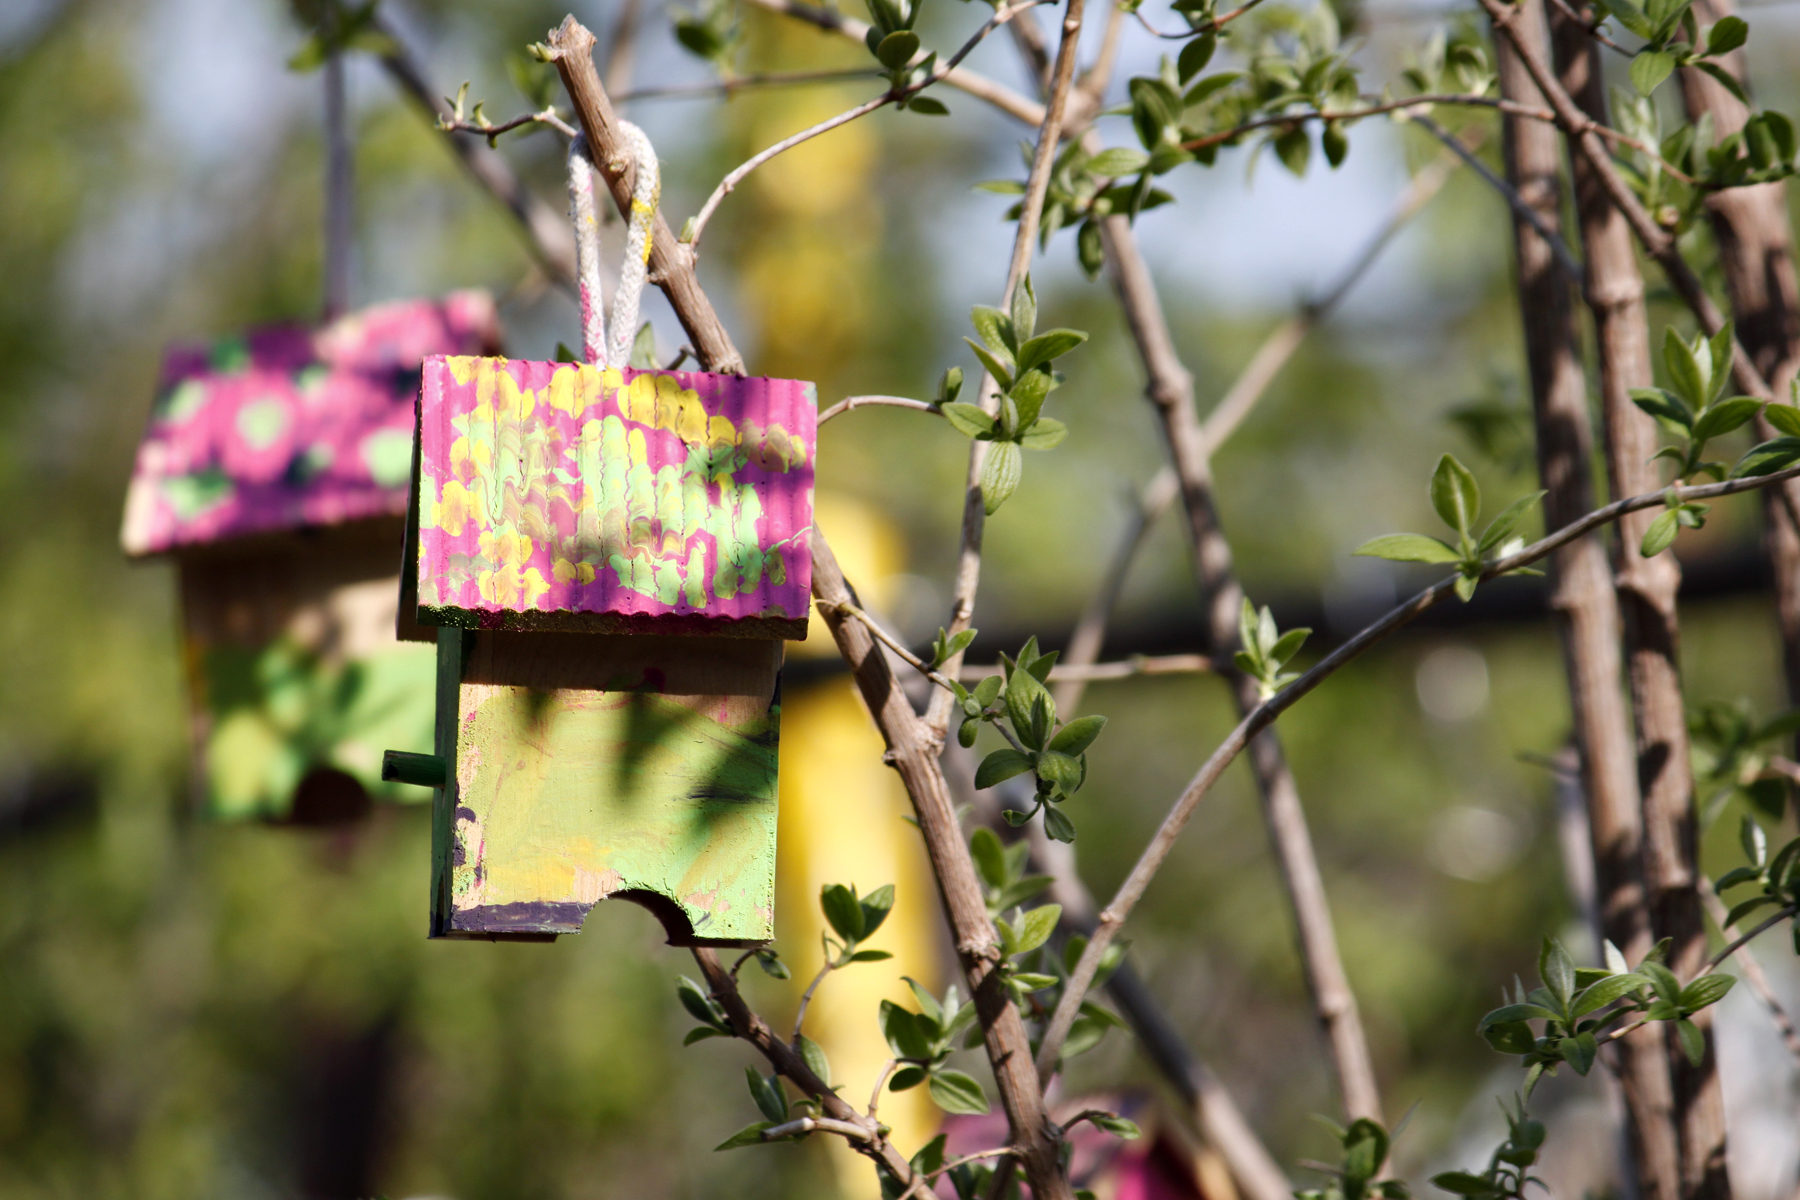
[[199, 1009]]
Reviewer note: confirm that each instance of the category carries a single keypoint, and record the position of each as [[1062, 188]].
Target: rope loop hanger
[[596, 348]]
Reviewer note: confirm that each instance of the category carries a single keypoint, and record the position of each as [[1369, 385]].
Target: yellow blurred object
[[841, 822]]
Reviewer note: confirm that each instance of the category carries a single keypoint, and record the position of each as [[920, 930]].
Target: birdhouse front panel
[[597, 765], [276, 469], [568, 496]]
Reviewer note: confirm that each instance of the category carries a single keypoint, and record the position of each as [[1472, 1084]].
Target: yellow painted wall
[[841, 822]]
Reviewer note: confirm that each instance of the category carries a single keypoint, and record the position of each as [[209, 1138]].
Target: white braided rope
[[597, 348]]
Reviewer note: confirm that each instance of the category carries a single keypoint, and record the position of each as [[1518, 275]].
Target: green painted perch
[[612, 559]]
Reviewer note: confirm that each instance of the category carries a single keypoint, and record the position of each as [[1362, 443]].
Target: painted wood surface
[[289, 427], [591, 765], [566, 496], [295, 679]]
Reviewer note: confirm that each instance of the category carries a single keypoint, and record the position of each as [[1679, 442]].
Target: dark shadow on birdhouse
[[613, 559], [275, 471]]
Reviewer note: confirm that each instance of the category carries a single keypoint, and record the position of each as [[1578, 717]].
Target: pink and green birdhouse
[[275, 470], [613, 558]]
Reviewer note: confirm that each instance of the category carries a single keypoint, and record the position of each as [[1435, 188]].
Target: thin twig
[[845, 405], [896, 645], [996, 1152], [1037, 186], [1286, 338], [737, 83], [1738, 943], [809, 1124], [1592, 28], [881, 1082], [1154, 854], [1212, 26], [1752, 970], [736, 176], [1559, 249], [1090, 672], [806, 1000], [492, 132]]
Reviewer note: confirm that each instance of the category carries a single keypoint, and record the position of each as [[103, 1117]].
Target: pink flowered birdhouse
[[275, 470], [613, 558]]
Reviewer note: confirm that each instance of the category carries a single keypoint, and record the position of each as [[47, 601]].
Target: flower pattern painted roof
[[561, 495], [288, 427]]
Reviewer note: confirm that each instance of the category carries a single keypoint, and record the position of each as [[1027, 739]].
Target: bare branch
[[1752, 971], [1286, 338], [1137, 664], [547, 231], [809, 1124], [845, 405], [996, 1152], [806, 1000], [1559, 249], [1264, 715], [492, 132]]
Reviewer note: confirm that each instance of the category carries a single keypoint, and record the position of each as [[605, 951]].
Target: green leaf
[[1693, 1042], [1024, 692], [1509, 1013], [875, 908], [1557, 970], [1511, 1037], [1726, 80], [1000, 765], [900, 1028], [1075, 737], [931, 1013], [1048, 346], [1727, 35], [1335, 142], [1116, 1124], [968, 419], [1194, 56], [1776, 454], [1606, 991], [927, 106], [1203, 91], [1408, 547], [1663, 405], [772, 965], [1060, 769], [1294, 148], [1754, 841], [1579, 1052], [1740, 911], [749, 1135], [1691, 383], [1000, 370], [955, 1092], [1649, 69], [1508, 520], [1663, 980], [700, 1033], [1057, 826], [1288, 645], [1784, 417], [1706, 990], [768, 1096], [1002, 187], [1027, 395], [905, 1078], [842, 911], [897, 49], [1725, 416], [1024, 318], [1035, 928], [1661, 533], [699, 1005], [1090, 251], [815, 1059], [988, 691], [871, 956], [1455, 494], [1046, 433], [989, 856], [1116, 161], [995, 329], [311, 56]]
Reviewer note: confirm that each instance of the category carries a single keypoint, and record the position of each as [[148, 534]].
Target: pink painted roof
[[287, 427], [676, 499]]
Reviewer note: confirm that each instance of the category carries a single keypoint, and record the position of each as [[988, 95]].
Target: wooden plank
[[640, 767]]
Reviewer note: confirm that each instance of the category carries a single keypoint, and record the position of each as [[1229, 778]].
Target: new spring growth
[[1457, 498]]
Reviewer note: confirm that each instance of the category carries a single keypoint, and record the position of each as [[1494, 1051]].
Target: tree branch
[[1037, 185], [853, 402], [1752, 970], [1264, 715]]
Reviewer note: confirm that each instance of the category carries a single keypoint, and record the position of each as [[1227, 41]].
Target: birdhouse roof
[[566, 496], [288, 427]]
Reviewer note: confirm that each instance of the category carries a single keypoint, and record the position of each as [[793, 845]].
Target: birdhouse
[[613, 558], [275, 471]]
